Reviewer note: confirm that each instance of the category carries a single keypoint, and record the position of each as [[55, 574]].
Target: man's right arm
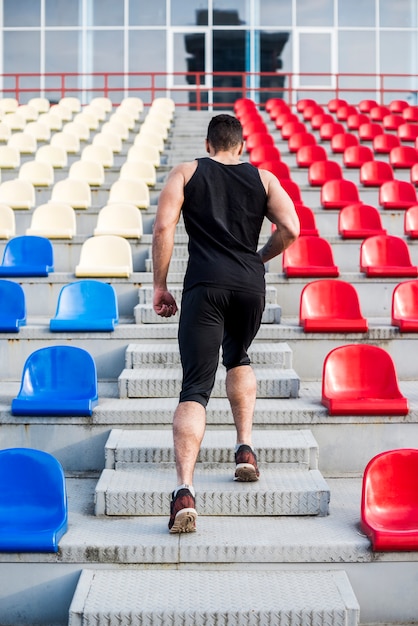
[[282, 213]]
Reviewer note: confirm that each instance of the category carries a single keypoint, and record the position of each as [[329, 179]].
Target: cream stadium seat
[[54, 220], [71, 191], [148, 138], [144, 153], [103, 102], [77, 128], [63, 111], [17, 194], [122, 219], [90, 171], [51, 120], [38, 173], [125, 116], [133, 104], [8, 222], [132, 191], [8, 105], [105, 255], [91, 120], [39, 130], [5, 132], [54, 155], [155, 126], [40, 104], [139, 169], [165, 104], [100, 154], [96, 110], [68, 141], [118, 127], [108, 139], [15, 121], [29, 113], [24, 142], [72, 103], [9, 157]]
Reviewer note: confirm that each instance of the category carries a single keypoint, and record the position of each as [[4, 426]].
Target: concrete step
[[166, 383], [145, 489], [165, 355], [296, 448], [144, 314], [243, 597]]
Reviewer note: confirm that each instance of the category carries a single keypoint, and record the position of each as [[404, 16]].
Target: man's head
[[224, 132]]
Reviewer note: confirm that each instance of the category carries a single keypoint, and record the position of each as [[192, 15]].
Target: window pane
[[62, 51], [400, 13], [315, 58], [273, 58], [357, 51], [404, 61], [230, 12], [139, 62], [189, 12], [105, 12], [356, 13], [145, 13], [315, 13], [21, 52], [22, 12], [273, 13], [62, 12], [106, 50]]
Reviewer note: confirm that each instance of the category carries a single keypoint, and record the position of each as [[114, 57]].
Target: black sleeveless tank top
[[223, 210]]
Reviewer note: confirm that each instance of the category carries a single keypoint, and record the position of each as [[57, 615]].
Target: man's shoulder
[[186, 169]]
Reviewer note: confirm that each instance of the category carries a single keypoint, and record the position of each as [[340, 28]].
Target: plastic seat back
[[330, 306], [90, 171], [145, 152], [143, 170], [366, 105], [264, 153], [7, 222], [356, 119], [105, 255], [386, 255], [361, 379], [411, 222], [279, 168], [309, 256], [392, 121], [55, 220], [38, 173], [375, 173], [410, 113], [12, 307], [397, 194], [121, 219], [383, 144], [68, 141], [18, 194], [341, 141], [378, 112], [255, 125], [397, 106], [344, 111], [355, 156], [86, 305], [358, 221], [414, 174], [336, 194], [39, 130], [297, 140], [259, 139], [131, 191], [72, 191], [292, 189], [405, 306], [72, 103], [389, 500], [334, 103], [53, 155], [57, 380], [291, 128], [403, 156], [27, 256], [100, 154], [307, 221], [33, 501], [320, 118], [329, 129], [9, 157], [370, 130], [321, 171], [108, 139], [306, 155]]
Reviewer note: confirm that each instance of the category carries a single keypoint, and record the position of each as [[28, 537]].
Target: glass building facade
[[312, 40]]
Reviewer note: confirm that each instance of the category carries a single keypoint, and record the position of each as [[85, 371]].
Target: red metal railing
[[198, 90]]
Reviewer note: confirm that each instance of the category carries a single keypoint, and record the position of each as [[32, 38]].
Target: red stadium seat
[[334, 103], [329, 129], [279, 108], [414, 174], [411, 222], [307, 221], [389, 501], [298, 140], [355, 156], [258, 139], [367, 132], [303, 103], [284, 117], [358, 221], [392, 121], [290, 128], [306, 155], [309, 257], [386, 255], [276, 167], [375, 173], [403, 157], [397, 106], [383, 144], [254, 126], [408, 131], [356, 119], [405, 306], [264, 153], [360, 379], [344, 111], [293, 190], [397, 194], [377, 113], [321, 171], [410, 113], [341, 141], [311, 110], [275, 102], [331, 306], [365, 106], [335, 194], [321, 118]]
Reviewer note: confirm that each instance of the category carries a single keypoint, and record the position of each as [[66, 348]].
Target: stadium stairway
[[285, 550]]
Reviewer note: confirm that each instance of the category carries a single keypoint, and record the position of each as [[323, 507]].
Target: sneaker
[[246, 470], [182, 512]]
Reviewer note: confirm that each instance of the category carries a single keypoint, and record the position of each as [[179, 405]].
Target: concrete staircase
[[285, 550]]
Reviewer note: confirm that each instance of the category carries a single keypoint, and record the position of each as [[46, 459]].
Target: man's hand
[[164, 303]]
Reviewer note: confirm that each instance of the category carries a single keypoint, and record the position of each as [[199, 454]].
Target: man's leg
[[188, 430], [241, 390]]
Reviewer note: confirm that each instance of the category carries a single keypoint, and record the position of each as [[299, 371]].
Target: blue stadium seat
[[27, 255], [12, 307], [86, 305], [57, 380], [33, 501]]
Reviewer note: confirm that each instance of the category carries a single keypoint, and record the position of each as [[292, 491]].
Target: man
[[224, 202]]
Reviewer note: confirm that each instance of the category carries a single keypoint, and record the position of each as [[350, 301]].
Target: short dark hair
[[224, 132]]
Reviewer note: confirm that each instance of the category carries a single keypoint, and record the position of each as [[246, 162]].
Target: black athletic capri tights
[[211, 317]]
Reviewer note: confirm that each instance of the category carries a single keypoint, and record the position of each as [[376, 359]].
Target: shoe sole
[[245, 473], [185, 521]]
